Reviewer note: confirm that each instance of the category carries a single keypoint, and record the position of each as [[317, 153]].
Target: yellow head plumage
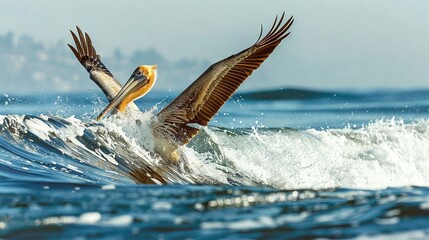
[[150, 72], [138, 85]]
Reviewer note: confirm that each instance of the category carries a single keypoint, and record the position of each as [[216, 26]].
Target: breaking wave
[[384, 153]]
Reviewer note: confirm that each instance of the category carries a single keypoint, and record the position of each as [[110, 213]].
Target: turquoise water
[[272, 165]]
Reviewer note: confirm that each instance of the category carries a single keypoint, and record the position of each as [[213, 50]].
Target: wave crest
[[118, 150]]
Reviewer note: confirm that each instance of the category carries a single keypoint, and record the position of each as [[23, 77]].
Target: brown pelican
[[176, 124]]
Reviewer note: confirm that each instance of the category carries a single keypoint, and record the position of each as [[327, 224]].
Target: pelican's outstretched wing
[[204, 97], [90, 60]]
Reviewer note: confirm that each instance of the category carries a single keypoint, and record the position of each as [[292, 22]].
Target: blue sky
[[334, 44]]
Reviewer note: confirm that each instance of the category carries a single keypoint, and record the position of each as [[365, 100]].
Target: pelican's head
[[140, 83]]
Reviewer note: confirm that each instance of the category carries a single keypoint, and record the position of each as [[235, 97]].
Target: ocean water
[[289, 163]]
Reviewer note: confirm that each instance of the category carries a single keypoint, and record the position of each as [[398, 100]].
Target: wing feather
[[98, 72], [206, 95]]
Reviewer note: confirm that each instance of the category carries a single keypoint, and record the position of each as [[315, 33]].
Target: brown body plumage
[[200, 101]]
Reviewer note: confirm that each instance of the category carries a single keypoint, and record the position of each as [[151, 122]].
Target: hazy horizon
[[333, 44]]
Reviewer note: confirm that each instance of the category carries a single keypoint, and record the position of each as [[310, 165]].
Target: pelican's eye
[[140, 77]]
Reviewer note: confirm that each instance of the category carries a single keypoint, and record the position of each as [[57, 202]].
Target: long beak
[[125, 91]]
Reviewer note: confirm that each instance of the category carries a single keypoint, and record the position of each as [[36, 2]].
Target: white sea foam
[[383, 154], [134, 125], [386, 153], [118, 221], [39, 128]]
